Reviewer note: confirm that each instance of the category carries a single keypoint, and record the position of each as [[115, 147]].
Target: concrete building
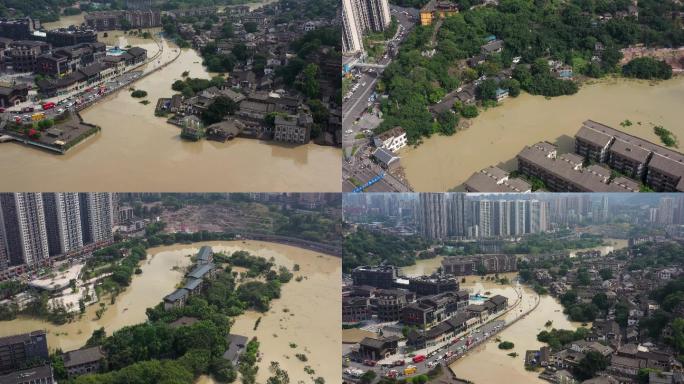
[[112, 20], [362, 16], [24, 226], [23, 54], [63, 222], [392, 140], [18, 29], [291, 129], [13, 95], [37, 375], [433, 285], [352, 33], [379, 277], [389, 303], [83, 361], [477, 264], [437, 9], [355, 309], [432, 216], [428, 311], [97, 216], [566, 173], [17, 351], [63, 37], [659, 167], [378, 349], [456, 215], [494, 179]]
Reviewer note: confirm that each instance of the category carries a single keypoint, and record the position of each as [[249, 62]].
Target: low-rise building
[[83, 361], [291, 129], [378, 349], [495, 179], [37, 375], [392, 140]]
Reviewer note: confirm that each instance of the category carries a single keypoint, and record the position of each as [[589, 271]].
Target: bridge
[[369, 65]]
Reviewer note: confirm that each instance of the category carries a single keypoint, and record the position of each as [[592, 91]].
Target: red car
[[48, 105], [399, 363], [419, 358], [370, 363]]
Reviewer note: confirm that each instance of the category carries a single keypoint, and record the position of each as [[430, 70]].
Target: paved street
[[76, 101], [359, 123], [449, 351]]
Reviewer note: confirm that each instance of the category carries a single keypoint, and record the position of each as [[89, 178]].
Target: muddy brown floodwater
[[137, 151], [307, 314], [489, 364], [498, 134]]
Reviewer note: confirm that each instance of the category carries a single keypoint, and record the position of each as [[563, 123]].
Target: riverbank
[[136, 148], [489, 364], [495, 137]]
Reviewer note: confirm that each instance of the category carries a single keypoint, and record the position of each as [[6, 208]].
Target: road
[[457, 349], [357, 104], [358, 124], [437, 355], [80, 100]]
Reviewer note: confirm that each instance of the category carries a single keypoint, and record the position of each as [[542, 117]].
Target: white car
[[349, 131]]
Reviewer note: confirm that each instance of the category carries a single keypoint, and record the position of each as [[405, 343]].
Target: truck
[[418, 358], [38, 116], [48, 105]]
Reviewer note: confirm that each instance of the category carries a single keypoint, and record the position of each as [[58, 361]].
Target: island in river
[[311, 320]]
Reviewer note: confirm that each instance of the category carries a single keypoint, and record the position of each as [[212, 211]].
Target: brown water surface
[[499, 134], [307, 314], [136, 151], [489, 364]]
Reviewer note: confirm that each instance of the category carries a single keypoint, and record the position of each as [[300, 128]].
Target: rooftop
[[83, 356]]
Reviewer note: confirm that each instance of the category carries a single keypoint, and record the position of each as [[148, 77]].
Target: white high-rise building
[[97, 216], [518, 217], [378, 13], [666, 208], [352, 33], [24, 228], [63, 218], [362, 16]]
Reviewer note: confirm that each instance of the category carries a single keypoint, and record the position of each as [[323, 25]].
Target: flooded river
[[498, 134], [489, 364], [161, 272], [137, 151], [311, 321]]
